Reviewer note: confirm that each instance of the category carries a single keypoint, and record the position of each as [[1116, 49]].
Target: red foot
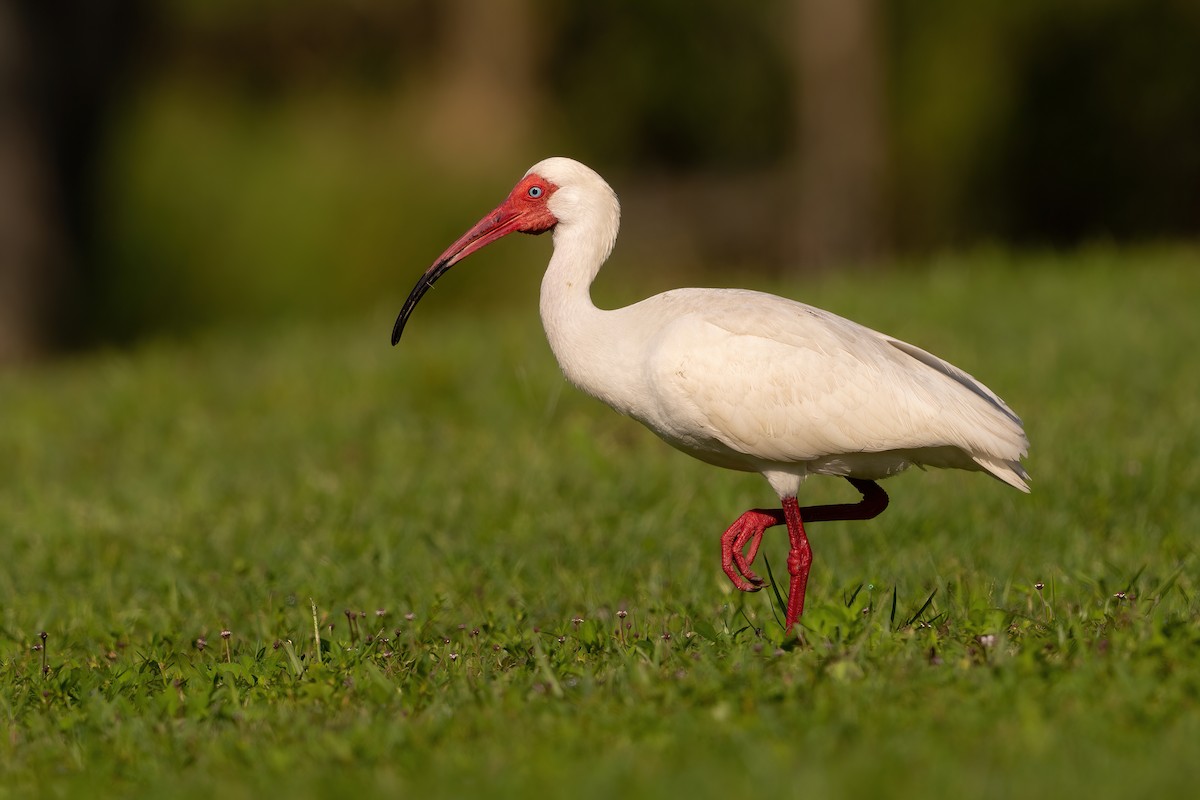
[[748, 529]]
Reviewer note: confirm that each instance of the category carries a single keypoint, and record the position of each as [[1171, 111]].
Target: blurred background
[[169, 165]]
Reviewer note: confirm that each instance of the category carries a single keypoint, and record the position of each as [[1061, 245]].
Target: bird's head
[[553, 191]]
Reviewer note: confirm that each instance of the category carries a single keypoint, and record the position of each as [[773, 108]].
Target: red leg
[[749, 528], [799, 562]]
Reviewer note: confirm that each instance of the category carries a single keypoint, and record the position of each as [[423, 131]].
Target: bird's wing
[[781, 381]]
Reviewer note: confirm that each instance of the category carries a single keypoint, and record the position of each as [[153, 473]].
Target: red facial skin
[[525, 210]]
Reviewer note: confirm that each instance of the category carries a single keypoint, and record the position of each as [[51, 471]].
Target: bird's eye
[[535, 192]]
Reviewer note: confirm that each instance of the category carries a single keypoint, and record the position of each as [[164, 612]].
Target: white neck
[[589, 343]]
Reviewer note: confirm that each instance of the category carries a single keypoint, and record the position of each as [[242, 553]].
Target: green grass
[[544, 609]]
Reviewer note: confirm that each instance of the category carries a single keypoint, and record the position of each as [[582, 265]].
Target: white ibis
[[745, 380]]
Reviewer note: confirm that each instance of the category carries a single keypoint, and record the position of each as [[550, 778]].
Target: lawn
[[291, 559]]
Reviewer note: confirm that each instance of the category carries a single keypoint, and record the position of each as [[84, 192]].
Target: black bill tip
[[423, 285]]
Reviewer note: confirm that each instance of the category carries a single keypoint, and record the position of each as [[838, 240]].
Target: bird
[[745, 380]]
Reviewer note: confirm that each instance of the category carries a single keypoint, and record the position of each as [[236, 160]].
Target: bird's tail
[[1011, 472]]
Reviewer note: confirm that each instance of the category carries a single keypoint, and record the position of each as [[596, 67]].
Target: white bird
[[745, 380]]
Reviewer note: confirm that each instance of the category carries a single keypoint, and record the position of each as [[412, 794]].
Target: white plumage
[[746, 380]]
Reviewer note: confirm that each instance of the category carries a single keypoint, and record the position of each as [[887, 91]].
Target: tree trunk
[[842, 161], [31, 263], [479, 108]]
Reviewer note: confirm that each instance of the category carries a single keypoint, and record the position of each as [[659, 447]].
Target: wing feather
[[780, 381]]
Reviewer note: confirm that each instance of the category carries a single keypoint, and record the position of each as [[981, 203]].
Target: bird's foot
[[739, 546]]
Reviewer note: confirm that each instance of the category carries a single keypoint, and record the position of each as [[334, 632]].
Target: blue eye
[[535, 192]]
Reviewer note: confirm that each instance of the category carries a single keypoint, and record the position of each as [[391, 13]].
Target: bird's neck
[[588, 342]]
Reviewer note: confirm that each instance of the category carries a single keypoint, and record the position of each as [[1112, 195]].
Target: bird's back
[[751, 381]]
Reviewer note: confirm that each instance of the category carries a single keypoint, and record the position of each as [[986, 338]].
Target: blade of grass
[[921, 610]]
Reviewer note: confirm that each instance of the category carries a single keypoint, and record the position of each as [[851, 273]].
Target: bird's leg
[[739, 544], [874, 501], [799, 562], [749, 527]]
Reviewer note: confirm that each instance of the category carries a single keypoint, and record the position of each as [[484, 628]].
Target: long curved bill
[[502, 221]]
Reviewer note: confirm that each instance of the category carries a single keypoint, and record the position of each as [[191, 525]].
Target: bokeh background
[[170, 165]]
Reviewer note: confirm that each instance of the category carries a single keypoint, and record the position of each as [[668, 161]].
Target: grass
[[515, 590]]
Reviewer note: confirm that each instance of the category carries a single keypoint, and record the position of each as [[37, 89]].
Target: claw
[[742, 559], [739, 546]]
